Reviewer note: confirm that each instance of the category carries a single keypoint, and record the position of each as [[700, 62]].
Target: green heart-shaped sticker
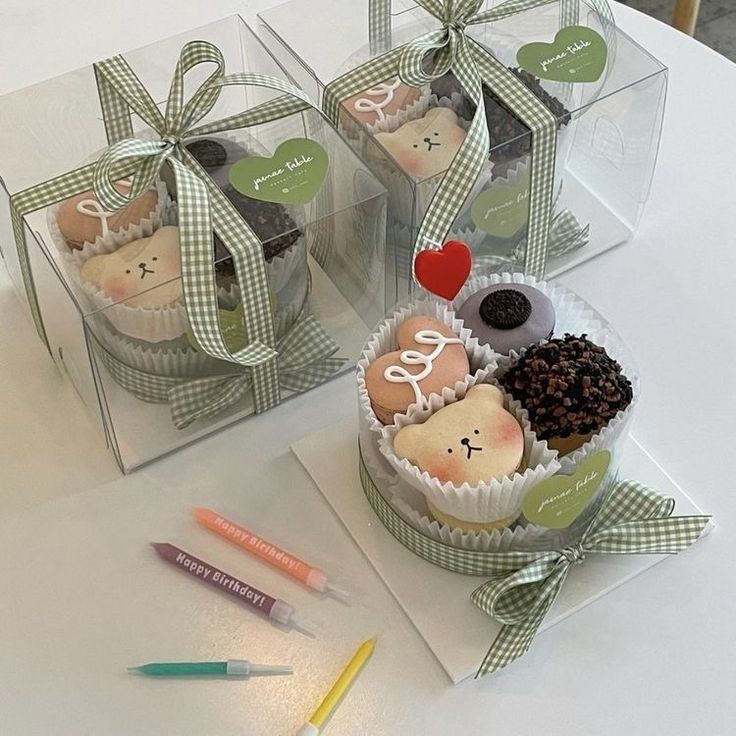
[[578, 54], [559, 500], [232, 326], [503, 208], [293, 175]]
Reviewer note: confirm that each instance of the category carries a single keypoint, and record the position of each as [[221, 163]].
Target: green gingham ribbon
[[202, 206], [305, 360], [632, 519]]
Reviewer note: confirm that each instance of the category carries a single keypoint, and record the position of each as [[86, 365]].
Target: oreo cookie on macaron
[[508, 317]]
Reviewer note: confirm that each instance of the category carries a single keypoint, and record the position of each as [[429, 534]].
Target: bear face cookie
[[143, 273], [475, 440], [82, 219], [430, 357], [425, 147]]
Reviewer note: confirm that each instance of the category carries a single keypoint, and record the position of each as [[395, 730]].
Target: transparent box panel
[[608, 131], [112, 301]]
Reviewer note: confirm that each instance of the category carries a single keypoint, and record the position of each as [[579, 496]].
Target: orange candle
[[270, 553]]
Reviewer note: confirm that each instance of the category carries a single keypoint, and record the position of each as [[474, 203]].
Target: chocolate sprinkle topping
[[208, 153], [270, 221], [568, 386], [505, 309]]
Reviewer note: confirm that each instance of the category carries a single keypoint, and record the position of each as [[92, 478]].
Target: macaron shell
[[388, 101], [450, 366], [79, 228], [539, 326]]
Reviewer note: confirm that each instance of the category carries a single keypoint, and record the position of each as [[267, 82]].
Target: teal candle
[[229, 668]]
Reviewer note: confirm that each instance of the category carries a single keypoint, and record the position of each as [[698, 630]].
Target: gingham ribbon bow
[[305, 360], [633, 519], [201, 203]]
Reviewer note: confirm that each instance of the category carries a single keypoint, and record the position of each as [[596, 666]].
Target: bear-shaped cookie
[[475, 440], [430, 357], [143, 273], [425, 147]]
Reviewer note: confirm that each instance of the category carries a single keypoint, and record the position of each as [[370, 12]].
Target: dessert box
[[493, 447], [608, 123], [125, 281]]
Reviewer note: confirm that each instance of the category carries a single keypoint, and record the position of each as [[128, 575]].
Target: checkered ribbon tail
[[306, 359], [632, 519]]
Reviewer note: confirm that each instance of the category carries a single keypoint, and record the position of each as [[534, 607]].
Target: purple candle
[[276, 609]]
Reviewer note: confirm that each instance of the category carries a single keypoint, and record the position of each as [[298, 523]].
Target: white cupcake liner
[[382, 474], [177, 360], [383, 340], [412, 507], [485, 502]]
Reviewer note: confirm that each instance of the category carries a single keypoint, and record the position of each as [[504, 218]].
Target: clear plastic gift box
[[608, 129], [117, 325]]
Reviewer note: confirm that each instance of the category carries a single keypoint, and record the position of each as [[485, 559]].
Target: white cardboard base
[[438, 601]]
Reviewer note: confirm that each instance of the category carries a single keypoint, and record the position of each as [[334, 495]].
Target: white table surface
[[654, 657]]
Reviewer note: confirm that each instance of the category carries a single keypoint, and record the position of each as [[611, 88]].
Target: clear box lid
[[58, 126]]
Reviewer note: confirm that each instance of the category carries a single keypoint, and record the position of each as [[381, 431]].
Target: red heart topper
[[444, 271]]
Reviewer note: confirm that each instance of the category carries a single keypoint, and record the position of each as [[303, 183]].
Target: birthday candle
[[276, 609], [313, 726], [229, 668], [268, 552]]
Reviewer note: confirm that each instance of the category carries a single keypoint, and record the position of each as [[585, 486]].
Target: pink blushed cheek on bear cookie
[[118, 289], [508, 431], [411, 163], [458, 137], [449, 469]]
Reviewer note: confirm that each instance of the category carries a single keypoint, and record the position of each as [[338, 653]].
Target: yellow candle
[[338, 689]]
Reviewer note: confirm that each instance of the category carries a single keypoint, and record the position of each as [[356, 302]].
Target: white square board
[[438, 601]]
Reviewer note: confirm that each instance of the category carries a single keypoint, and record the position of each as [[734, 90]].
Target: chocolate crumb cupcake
[[503, 125], [270, 221], [571, 388]]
